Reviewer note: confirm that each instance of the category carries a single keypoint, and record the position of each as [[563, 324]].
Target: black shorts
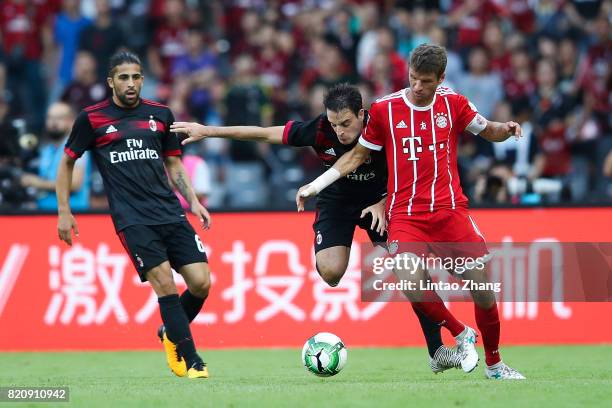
[[335, 224], [150, 245]]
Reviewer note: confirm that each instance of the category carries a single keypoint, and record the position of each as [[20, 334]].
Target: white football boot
[[445, 358], [466, 342], [501, 371]]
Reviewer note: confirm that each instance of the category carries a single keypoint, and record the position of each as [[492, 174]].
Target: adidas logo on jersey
[[401, 125], [111, 129], [330, 151]]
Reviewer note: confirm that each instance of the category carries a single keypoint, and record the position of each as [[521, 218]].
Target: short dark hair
[[122, 57], [428, 58], [343, 96]]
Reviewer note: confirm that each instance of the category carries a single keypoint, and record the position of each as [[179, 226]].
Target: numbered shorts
[[334, 225], [150, 245], [445, 232]]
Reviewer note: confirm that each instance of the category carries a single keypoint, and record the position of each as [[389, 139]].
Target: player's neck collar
[[415, 107]]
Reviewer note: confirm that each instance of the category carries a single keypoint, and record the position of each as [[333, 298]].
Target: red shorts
[[445, 232]]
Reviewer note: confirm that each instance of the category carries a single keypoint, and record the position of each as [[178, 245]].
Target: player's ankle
[[194, 361], [492, 360]]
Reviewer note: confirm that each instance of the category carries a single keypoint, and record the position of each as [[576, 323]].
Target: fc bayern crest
[[392, 247], [152, 124], [441, 121]]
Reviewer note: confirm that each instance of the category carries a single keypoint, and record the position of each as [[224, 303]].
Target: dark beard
[[124, 100]]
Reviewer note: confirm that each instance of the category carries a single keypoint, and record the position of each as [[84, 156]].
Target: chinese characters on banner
[[86, 286], [265, 287]]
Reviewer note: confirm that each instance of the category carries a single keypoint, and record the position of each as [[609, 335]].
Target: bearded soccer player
[[131, 143], [419, 129], [356, 200]]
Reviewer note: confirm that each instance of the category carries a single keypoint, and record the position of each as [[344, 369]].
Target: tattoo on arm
[[180, 179], [182, 186]]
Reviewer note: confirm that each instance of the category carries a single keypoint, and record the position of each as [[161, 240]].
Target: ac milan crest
[[152, 124]]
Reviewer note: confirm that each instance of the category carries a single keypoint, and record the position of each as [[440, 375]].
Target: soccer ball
[[324, 354]]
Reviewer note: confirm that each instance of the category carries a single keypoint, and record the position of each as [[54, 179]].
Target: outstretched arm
[[181, 181], [498, 132], [343, 166], [196, 131], [351, 160], [66, 221]]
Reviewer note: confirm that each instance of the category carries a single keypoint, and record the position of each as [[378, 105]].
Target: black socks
[[177, 327], [431, 331], [191, 304]]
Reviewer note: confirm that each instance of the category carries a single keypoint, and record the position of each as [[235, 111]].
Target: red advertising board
[[265, 293]]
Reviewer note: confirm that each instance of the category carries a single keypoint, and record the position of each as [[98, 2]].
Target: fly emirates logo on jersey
[[361, 176], [134, 152], [366, 175]]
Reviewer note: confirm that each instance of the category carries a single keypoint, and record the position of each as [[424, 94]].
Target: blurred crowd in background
[[543, 63]]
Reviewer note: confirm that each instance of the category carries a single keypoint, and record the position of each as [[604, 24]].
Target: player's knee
[[331, 274], [484, 298], [163, 285], [201, 288]]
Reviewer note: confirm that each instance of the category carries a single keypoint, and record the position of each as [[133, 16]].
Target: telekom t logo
[[412, 147]]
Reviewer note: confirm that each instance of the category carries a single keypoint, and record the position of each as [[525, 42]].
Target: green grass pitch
[[558, 376]]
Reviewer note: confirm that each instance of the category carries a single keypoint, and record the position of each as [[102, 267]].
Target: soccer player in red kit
[[419, 129], [346, 204]]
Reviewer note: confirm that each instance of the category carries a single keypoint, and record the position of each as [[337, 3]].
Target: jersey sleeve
[[81, 137], [170, 141], [373, 136], [300, 134], [468, 117]]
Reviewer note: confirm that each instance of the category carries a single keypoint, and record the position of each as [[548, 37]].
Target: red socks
[[488, 324], [486, 319]]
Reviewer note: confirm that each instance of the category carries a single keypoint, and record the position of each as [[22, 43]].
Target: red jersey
[[421, 149]]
